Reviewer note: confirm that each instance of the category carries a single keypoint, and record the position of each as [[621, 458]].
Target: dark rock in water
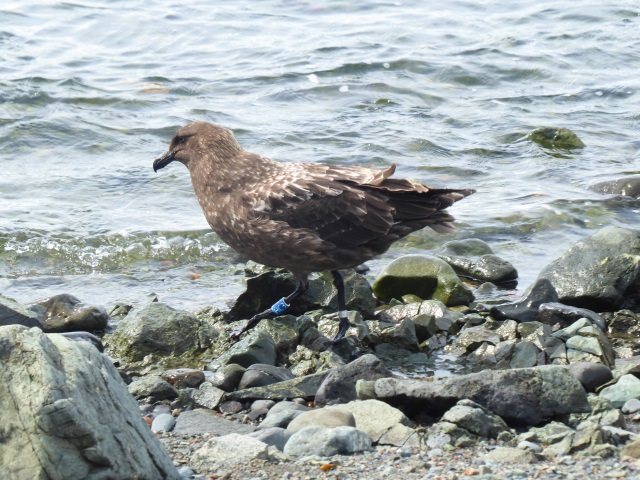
[[13, 313], [65, 313], [565, 315], [184, 377], [261, 375], [67, 414], [521, 396], [526, 309], [424, 276], [299, 387], [267, 288], [627, 186], [600, 272], [340, 385], [474, 258], [591, 375], [550, 137]]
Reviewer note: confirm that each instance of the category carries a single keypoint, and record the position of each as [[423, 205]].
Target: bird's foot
[[236, 332], [342, 330]]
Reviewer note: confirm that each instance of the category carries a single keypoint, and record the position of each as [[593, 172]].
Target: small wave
[[38, 252]]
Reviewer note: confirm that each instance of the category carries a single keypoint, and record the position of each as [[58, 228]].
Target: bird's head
[[198, 141]]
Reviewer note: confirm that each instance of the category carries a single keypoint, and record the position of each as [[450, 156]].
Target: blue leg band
[[280, 306]]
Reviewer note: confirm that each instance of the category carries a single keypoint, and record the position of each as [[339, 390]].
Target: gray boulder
[[424, 276], [300, 387], [474, 258], [13, 313], [326, 442], [600, 272], [475, 419], [70, 414], [340, 385], [261, 375], [275, 436], [152, 386], [626, 388], [324, 417], [229, 451], [520, 396], [257, 347]]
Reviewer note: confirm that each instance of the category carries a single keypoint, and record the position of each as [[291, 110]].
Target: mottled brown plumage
[[305, 217]]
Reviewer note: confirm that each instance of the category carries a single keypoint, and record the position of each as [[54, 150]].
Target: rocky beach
[[506, 348], [546, 385]]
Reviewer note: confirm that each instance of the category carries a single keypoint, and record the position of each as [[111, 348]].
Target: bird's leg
[[276, 309], [343, 326]]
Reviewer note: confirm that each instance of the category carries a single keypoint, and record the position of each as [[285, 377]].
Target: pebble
[[163, 423]]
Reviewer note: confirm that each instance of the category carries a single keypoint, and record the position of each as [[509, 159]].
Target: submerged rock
[[424, 276], [551, 137], [69, 413], [627, 186], [474, 258]]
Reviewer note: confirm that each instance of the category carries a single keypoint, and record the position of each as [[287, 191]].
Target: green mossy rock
[[550, 137], [424, 276]]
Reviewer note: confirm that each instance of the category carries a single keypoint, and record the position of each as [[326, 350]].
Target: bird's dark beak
[[163, 161]]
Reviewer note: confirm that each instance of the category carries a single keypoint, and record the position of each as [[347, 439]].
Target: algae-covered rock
[[474, 258], [157, 337], [424, 276], [550, 137]]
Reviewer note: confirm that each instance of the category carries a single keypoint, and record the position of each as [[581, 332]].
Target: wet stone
[[526, 309], [474, 258]]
